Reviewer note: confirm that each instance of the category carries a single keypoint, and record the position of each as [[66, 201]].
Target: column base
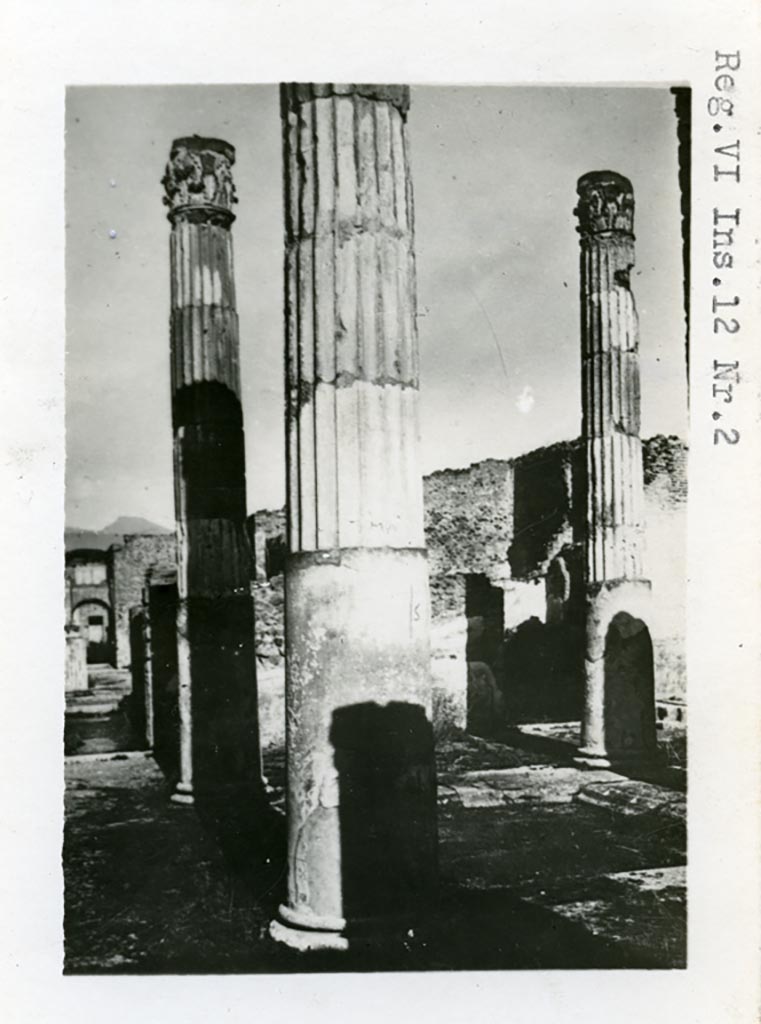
[[308, 932], [305, 942], [183, 794], [640, 759], [584, 759]]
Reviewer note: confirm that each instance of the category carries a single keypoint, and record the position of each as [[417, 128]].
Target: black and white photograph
[[376, 507], [379, 506]]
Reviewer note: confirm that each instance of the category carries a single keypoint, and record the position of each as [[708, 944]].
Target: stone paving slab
[[642, 911], [634, 797], [550, 784], [542, 882], [543, 783], [563, 732]]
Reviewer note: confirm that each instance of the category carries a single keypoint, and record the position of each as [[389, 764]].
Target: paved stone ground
[[97, 720], [542, 866]]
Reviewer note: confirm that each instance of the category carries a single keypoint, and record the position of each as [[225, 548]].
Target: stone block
[[76, 661]]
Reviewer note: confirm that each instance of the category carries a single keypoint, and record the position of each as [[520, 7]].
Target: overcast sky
[[494, 174]]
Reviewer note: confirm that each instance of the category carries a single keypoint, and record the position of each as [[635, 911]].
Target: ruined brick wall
[[665, 559], [469, 518], [548, 507], [508, 522], [268, 608], [508, 519], [505, 519], [76, 593], [266, 531], [130, 561], [511, 520]]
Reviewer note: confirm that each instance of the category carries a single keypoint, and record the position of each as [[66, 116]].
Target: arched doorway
[[629, 687], [94, 619]]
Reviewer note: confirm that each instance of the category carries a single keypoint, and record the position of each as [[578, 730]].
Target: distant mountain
[[101, 540], [133, 524]]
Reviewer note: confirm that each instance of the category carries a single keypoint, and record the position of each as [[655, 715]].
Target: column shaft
[[361, 781], [219, 744], [618, 717], [610, 383]]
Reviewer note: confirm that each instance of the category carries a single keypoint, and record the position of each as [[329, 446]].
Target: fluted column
[[614, 478], [610, 379], [219, 744], [361, 781]]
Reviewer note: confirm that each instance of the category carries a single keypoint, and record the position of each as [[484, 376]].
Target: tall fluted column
[[610, 379], [618, 705], [219, 742], [361, 779]]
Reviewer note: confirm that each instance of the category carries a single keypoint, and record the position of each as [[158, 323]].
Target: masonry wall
[[266, 530], [77, 593], [505, 548], [665, 560], [130, 561], [469, 519]]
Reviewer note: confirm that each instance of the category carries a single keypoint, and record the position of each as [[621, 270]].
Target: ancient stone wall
[[130, 561], [520, 523], [77, 592], [516, 523], [469, 519], [268, 604], [266, 530], [665, 559]]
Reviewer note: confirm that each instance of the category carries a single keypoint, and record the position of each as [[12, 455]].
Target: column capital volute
[[198, 181], [293, 94], [606, 204]]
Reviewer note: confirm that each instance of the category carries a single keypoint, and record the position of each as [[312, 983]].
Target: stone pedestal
[[76, 660], [619, 713], [361, 778], [219, 744]]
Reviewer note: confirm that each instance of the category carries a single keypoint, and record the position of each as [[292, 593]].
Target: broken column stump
[[619, 705], [361, 794], [219, 741], [76, 660]]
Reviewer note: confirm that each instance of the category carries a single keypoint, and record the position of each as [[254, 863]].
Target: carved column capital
[[606, 204], [198, 181]]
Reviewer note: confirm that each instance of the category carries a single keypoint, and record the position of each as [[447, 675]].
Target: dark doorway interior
[[94, 619]]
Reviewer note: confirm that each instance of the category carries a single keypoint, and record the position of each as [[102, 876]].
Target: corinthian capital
[[606, 203], [198, 181]]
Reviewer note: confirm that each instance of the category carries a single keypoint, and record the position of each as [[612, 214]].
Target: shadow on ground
[[523, 886]]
